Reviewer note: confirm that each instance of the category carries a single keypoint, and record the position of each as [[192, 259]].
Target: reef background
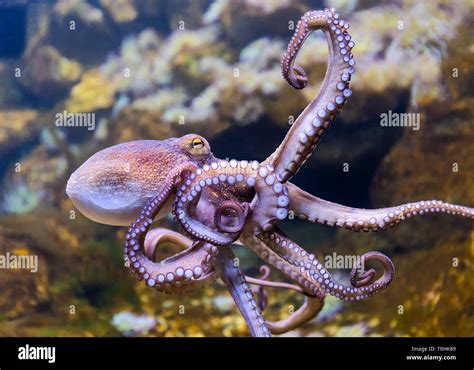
[[157, 69]]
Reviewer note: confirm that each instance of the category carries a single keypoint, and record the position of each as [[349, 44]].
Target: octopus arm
[[234, 279], [314, 209], [313, 122]]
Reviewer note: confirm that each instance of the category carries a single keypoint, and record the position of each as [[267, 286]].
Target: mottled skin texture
[[113, 185], [218, 202]]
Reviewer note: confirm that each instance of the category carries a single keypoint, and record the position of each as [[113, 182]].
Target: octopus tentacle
[[234, 279], [312, 123], [308, 310], [314, 209], [273, 284], [259, 290], [292, 272], [269, 205], [159, 236], [363, 286], [314, 295], [174, 272]]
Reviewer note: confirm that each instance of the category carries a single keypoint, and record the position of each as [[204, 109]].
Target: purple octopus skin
[[218, 202]]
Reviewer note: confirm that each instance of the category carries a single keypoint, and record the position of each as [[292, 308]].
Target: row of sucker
[[173, 276], [379, 219], [310, 126], [292, 272], [361, 289], [235, 281], [271, 194]]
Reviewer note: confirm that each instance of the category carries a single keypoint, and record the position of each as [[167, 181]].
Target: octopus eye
[[197, 144]]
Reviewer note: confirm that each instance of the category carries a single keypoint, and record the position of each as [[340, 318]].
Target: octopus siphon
[[218, 202]]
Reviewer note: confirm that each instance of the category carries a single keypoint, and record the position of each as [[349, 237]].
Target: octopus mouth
[[230, 216]]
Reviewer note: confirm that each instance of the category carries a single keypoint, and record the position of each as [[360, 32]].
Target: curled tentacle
[[312, 123], [234, 279], [297, 77], [230, 216], [183, 261], [362, 278], [159, 236], [308, 310], [309, 207], [269, 205], [174, 274], [310, 266]]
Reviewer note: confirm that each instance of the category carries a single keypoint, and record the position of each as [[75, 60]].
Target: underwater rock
[[133, 124], [36, 182], [184, 14], [243, 21], [414, 171], [400, 56], [10, 92], [74, 24], [23, 291], [17, 127], [458, 66], [48, 75], [424, 302], [154, 66], [77, 263]]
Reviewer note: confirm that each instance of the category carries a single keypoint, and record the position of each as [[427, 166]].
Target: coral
[[224, 93], [34, 182], [92, 93], [17, 127], [121, 11], [47, 74], [18, 198]]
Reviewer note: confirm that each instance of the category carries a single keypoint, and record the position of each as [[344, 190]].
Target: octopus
[[218, 203]]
